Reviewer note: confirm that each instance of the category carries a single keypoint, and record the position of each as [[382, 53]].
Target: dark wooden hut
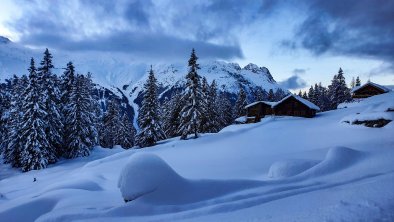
[[293, 105], [368, 89], [257, 110]]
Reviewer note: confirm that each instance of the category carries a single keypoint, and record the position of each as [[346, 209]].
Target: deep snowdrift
[[323, 170]]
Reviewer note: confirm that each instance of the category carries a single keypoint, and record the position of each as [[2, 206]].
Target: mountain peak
[[4, 40], [252, 67]]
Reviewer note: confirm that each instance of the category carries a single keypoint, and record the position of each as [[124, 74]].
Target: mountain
[[119, 77]]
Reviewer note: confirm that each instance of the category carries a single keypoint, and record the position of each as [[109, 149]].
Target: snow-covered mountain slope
[[118, 70], [281, 169], [108, 69]]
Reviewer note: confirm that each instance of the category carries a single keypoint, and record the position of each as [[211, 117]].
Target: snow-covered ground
[[281, 169]]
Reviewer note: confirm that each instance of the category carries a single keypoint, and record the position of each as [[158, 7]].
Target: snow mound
[[337, 159], [291, 167], [79, 184], [146, 173]]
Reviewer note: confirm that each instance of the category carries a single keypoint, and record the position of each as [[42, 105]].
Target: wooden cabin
[[368, 89], [257, 110], [293, 105]]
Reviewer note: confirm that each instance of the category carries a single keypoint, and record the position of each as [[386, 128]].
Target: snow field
[[281, 169]]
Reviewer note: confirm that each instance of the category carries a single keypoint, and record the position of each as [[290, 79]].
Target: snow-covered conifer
[[239, 108], [49, 83], [148, 119], [35, 145], [193, 99], [338, 90], [80, 120]]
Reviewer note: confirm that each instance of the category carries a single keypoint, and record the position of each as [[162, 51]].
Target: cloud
[[299, 71], [293, 82], [142, 28], [358, 28]]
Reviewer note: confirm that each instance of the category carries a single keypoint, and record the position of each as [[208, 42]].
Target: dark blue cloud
[[135, 27], [358, 28], [294, 82]]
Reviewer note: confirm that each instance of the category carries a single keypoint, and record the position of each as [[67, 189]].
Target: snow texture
[[323, 170], [385, 89]]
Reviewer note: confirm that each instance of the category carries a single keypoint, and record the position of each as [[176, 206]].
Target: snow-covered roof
[[302, 100], [257, 102], [385, 89]]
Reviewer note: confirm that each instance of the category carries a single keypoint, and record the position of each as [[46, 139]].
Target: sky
[[301, 42]]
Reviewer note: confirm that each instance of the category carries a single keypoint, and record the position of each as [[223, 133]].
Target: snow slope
[[281, 169]]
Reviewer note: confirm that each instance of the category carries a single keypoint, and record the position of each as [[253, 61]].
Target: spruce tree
[[127, 132], [239, 108], [35, 146], [212, 116], [225, 109], [173, 109], [67, 87], [50, 85], [271, 95], [112, 124], [205, 118], [193, 100], [79, 122], [148, 118], [338, 90], [12, 142], [358, 81], [259, 94]]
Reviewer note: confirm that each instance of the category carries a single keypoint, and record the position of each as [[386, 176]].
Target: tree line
[[328, 98], [45, 117]]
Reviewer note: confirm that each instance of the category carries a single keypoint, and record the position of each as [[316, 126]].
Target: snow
[[280, 169], [302, 100], [257, 102], [385, 89], [379, 107], [288, 168], [146, 173]]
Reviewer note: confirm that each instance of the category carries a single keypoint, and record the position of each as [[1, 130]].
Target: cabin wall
[[367, 91], [259, 111], [293, 107]]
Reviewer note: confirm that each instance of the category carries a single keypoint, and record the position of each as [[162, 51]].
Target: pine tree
[[225, 109], [171, 115], [213, 123], [358, 82], [205, 118], [338, 90], [50, 85], [148, 119], [279, 94], [259, 94], [112, 124], [311, 95], [127, 132], [35, 146], [271, 95], [239, 108], [193, 99], [304, 95], [67, 87], [12, 142], [79, 122]]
